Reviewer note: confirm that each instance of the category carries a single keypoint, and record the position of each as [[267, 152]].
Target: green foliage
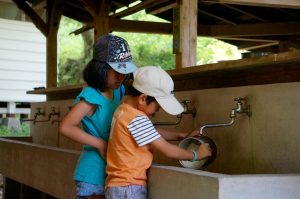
[[72, 57], [147, 49], [8, 132], [150, 50]]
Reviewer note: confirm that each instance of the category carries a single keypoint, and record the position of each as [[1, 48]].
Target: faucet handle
[[239, 99], [187, 109], [185, 104]]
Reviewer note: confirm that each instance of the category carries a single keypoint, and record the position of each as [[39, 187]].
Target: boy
[[133, 134]]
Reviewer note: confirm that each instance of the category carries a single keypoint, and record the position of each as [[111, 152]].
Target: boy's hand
[[194, 133], [203, 151]]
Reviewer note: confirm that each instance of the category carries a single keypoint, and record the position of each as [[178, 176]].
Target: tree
[[147, 49]]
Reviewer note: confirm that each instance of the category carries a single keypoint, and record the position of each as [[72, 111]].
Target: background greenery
[[147, 49], [6, 132]]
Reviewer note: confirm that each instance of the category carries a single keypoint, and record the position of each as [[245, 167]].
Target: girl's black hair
[[95, 74], [133, 92]]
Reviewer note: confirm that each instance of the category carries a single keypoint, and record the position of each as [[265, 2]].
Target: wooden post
[[99, 9], [185, 33], [54, 12]]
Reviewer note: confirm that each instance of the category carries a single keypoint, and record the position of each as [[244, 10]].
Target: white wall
[[22, 61]]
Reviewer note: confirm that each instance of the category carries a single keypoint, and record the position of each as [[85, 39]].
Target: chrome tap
[[39, 111], [52, 113], [241, 107], [187, 109]]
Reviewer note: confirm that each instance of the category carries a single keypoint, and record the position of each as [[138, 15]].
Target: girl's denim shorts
[[84, 189]]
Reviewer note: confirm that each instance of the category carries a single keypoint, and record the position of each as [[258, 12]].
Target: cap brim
[[170, 105], [123, 67]]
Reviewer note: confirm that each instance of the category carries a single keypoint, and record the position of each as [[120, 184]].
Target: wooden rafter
[[245, 13], [141, 26], [253, 46], [270, 3], [36, 19], [163, 8], [248, 39], [216, 17], [264, 29], [137, 8], [225, 31]]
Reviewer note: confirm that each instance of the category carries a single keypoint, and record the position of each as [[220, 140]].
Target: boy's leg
[[126, 192]]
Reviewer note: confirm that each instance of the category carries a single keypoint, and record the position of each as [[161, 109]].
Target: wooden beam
[[217, 17], [141, 6], [262, 29], [54, 13], [36, 19], [266, 3], [245, 13], [275, 68], [163, 8], [140, 26], [99, 9], [185, 33], [257, 46]]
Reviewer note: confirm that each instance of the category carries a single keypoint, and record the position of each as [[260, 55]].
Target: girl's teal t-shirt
[[91, 167]]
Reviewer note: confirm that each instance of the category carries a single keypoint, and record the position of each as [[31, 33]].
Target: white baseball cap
[[154, 81]]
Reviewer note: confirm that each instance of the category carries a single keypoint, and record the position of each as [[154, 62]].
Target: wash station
[[254, 101]]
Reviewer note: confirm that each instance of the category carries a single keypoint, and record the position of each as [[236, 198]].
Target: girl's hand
[[102, 149]]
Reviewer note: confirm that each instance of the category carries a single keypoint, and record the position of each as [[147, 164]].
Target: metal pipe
[[38, 112], [216, 125], [169, 123]]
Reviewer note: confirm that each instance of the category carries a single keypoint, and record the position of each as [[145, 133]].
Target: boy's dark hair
[[95, 74], [133, 92]]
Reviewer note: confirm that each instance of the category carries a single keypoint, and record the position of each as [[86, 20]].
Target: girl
[[94, 108]]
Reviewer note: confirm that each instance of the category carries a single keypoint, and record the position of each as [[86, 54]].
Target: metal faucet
[[52, 113], [187, 109], [39, 111], [241, 107]]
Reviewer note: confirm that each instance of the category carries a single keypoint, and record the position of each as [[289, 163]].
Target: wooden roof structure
[[265, 26]]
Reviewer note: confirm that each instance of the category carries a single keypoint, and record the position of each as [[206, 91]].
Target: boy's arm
[[175, 152], [173, 135]]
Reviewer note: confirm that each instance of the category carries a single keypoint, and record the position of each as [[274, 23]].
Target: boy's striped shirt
[[142, 130]]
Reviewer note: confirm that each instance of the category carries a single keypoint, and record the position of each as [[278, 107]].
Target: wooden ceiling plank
[[245, 13], [217, 17], [141, 6], [265, 3], [264, 29], [247, 39], [258, 46], [163, 9], [140, 26], [36, 19], [82, 29]]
